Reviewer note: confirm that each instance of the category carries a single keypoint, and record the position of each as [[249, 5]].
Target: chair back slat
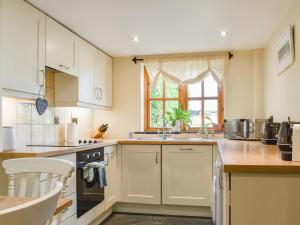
[[48, 183], [23, 185], [25, 176]]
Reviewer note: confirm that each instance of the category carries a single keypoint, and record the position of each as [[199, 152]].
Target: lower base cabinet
[[187, 175], [141, 174]]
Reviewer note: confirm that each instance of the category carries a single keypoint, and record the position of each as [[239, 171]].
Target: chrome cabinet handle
[[186, 149], [66, 67], [100, 89], [96, 93], [43, 80], [156, 157], [65, 210]]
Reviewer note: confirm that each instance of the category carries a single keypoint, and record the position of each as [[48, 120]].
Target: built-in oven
[[217, 193], [89, 193]]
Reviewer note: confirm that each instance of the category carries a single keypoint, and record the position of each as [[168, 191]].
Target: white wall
[[243, 86], [126, 111], [241, 93], [282, 92]]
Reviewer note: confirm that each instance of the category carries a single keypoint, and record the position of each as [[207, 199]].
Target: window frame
[[182, 99]]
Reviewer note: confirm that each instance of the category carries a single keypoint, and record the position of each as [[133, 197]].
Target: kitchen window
[[204, 99]]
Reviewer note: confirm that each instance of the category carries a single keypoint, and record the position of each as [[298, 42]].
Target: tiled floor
[[134, 219]]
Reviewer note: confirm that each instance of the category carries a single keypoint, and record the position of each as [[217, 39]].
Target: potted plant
[[177, 115]]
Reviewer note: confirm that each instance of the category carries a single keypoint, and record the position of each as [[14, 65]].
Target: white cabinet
[[186, 174], [23, 47], [87, 73], [110, 191], [61, 48], [104, 79], [141, 174]]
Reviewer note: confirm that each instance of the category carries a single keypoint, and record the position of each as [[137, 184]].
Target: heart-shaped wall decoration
[[41, 105]]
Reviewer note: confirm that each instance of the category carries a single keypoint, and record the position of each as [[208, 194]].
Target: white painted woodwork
[[110, 191], [141, 174], [61, 48], [265, 199], [72, 210], [88, 92], [22, 48], [104, 84], [36, 212], [25, 174], [187, 175], [91, 215], [70, 221]]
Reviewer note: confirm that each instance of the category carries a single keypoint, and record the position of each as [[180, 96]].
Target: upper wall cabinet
[[22, 48], [61, 48], [87, 73], [104, 79]]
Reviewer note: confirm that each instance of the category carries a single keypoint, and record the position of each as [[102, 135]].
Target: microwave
[[243, 129]]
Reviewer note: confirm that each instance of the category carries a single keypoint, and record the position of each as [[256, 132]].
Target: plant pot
[[177, 126]]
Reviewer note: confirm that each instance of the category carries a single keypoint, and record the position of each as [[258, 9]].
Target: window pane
[[211, 111], [157, 91], [170, 105], [194, 90], [172, 90], [195, 108], [156, 108], [210, 87], [169, 108]]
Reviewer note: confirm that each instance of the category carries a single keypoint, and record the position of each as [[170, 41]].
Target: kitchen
[[62, 81]]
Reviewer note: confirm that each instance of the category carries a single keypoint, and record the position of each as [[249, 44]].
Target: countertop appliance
[[243, 129], [217, 193], [89, 194], [284, 140], [269, 132], [69, 144]]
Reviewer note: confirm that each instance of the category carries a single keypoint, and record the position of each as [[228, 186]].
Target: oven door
[[89, 194]]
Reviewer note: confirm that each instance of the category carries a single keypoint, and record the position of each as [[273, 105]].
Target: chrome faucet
[[164, 133]]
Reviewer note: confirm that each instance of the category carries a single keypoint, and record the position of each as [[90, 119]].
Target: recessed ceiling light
[[135, 38], [224, 33]]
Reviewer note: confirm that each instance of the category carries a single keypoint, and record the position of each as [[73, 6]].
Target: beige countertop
[[237, 156], [254, 157], [168, 141], [38, 151]]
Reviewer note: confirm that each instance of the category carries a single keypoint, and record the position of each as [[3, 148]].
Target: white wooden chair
[[36, 212], [24, 176]]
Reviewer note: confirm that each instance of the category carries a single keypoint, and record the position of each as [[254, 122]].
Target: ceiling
[[169, 26]]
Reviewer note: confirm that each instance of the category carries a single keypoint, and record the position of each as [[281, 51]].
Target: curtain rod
[[136, 60]]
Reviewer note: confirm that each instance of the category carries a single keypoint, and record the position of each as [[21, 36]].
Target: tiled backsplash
[[31, 128]]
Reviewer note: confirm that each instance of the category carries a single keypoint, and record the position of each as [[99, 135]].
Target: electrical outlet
[[56, 120], [74, 120]]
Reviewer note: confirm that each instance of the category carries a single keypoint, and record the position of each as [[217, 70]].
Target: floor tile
[[135, 219]]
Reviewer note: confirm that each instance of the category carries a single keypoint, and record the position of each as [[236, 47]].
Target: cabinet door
[[61, 48], [87, 73], [141, 174], [104, 79], [186, 175], [110, 191], [23, 47]]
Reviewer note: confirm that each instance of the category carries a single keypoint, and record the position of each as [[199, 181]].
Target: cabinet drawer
[[72, 210]]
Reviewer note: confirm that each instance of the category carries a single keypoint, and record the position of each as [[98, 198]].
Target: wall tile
[[37, 134], [36, 118], [23, 113], [49, 134], [23, 134], [49, 116], [9, 108]]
